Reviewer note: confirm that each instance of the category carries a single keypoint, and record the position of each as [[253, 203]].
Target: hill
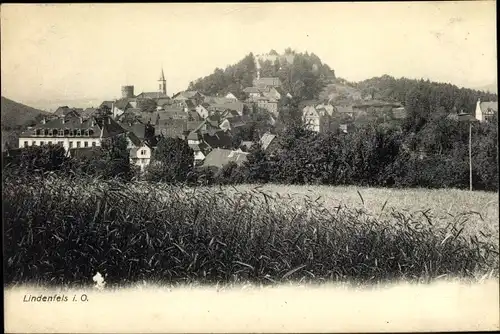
[[15, 117], [302, 74]]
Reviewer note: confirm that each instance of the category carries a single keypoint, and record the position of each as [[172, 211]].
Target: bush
[[172, 162], [37, 159], [110, 160]]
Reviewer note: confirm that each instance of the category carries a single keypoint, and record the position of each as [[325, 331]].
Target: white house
[[140, 155], [311, 118], [199, 147], [202, 110], [71, 132], [316, 117], [485, 110]]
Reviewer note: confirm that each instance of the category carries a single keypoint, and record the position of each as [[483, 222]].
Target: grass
[[60, 231], [441, 203]]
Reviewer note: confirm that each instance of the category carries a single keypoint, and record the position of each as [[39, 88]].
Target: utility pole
[[469, 119], [470, 156]]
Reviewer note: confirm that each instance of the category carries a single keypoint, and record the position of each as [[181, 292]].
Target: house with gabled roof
[[231, 96], [172, 128], [152, 95], [485, 111], [199, 147], [194, 95], [120, 106], [89, 112], [64, 111], [252, 92], [202, 110], [220, 157], [106, 105], [271, 93], [315, 119], [345, 110], [140, 151], [267, 81], [266, 140]]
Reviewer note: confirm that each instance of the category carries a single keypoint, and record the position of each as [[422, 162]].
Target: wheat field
[[439, 203]]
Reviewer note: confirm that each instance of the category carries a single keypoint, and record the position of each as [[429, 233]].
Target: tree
[[257, 167], [173, 160], [115, 153]]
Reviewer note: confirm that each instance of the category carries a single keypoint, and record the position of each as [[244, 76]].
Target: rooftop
[[220, 157]]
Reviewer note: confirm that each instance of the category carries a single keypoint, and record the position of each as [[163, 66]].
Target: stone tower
[[162, 86], [127, 91]]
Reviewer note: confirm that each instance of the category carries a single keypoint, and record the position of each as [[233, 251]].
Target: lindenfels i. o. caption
[[54, 298]]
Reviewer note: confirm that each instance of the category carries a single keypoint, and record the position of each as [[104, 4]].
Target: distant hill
[[15, 118], [491, 88], [15, 115]]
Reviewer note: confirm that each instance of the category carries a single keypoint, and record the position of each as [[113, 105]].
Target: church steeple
[[162, 87]]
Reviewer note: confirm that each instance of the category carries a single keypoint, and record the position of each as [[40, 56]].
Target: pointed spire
[[162, 75]]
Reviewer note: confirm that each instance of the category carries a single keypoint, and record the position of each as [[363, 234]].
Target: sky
[[86, 52]]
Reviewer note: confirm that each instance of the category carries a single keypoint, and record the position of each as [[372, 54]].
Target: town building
[[161, 93], [231, 96], [267, 82], [65, 111], [485, 111], [193, 95], [220, 157], [316, 119], [71, 132]]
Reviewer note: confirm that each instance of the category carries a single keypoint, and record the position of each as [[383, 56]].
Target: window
[[77, 144], [66, 132], [143, 152], [60, 143], [93, 144], [33, 142], [50, 143], [42, 143], [70, 144], [25, 144], [61, 132], [86, 144], [79, 132]]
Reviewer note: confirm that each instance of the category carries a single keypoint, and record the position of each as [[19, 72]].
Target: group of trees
[[235, 78], [430, 95], [372, 155], [110, 160]]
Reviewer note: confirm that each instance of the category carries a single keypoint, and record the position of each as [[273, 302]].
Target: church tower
[[162, 84]]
